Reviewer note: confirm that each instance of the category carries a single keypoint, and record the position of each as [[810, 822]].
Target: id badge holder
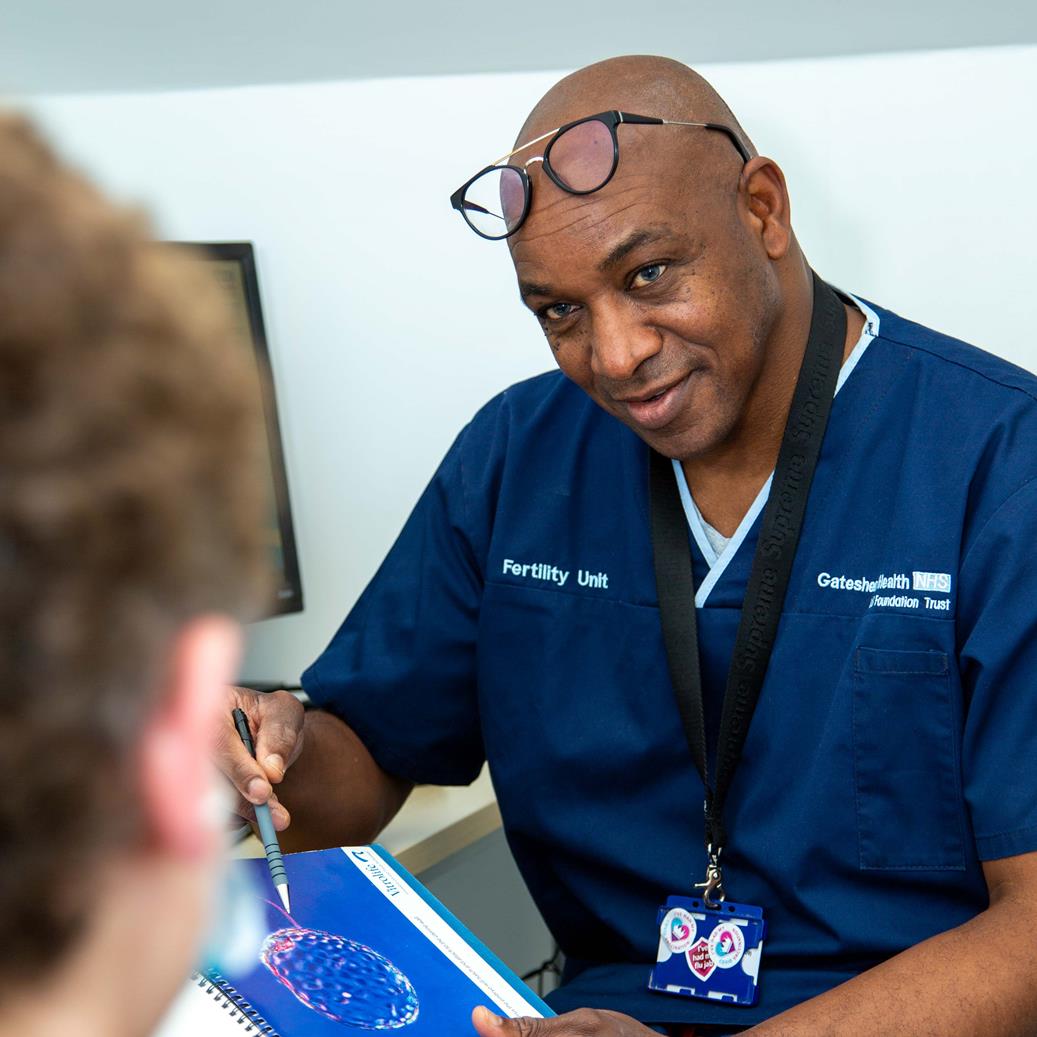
[[709, 952]]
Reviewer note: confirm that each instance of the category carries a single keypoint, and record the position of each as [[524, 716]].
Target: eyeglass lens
[[495, 202], [582, 157]]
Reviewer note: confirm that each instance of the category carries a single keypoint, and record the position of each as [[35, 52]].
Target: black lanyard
[[768, 580]]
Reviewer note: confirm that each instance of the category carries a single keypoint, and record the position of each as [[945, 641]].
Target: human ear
[[767, 209], [177, 778]]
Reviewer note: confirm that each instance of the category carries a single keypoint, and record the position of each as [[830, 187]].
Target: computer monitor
[[233, 267]]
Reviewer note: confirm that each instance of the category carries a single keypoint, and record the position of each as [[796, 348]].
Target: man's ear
[[762, 186], [177, 779]]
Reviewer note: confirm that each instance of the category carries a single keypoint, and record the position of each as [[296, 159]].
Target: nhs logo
[[940, 582]]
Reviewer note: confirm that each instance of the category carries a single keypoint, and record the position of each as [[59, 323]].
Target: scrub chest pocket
[[906, 762]]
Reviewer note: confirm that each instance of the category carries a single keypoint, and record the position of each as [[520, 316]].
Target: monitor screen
[[233, 267]]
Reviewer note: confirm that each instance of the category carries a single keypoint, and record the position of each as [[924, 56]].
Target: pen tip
[[283, 890]]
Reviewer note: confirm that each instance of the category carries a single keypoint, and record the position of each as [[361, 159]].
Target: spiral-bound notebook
[[366, 947]]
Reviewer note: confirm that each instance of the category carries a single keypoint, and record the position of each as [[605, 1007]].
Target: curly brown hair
[[130, 501]]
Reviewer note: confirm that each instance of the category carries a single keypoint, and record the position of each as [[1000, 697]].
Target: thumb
[[489, 1024]]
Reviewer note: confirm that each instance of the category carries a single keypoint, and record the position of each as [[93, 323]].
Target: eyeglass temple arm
[[725, 130], [640, 120], [459, 201], [648, 120], [474, 207]]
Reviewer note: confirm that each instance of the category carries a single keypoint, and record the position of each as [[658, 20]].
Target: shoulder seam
[[993, 515], [957, 363]]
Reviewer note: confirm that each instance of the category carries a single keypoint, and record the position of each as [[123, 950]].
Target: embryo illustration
[[341, 979]]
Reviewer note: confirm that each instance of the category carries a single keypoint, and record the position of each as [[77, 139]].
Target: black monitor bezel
[[289, 597]]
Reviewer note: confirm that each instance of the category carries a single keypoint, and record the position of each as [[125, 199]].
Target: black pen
[[267, 832]]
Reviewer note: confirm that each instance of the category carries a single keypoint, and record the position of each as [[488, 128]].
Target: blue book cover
[[366, 947]]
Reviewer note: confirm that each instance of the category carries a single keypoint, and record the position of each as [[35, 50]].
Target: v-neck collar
[[719, 563]]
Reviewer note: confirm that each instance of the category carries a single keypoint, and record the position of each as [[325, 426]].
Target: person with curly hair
[[130, 548]]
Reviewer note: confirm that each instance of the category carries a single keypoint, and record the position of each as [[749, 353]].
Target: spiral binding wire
[[225, 995]]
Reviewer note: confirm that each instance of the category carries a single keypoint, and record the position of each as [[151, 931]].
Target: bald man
[[729, 552]]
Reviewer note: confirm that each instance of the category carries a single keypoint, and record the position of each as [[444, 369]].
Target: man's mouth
[[657, 408]]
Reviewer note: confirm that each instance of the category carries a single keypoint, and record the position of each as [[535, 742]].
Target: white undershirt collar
[[718, 560]]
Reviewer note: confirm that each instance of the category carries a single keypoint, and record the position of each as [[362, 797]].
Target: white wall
[[390, 323]]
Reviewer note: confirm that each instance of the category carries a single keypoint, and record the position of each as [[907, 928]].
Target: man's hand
[[276, 720], [586, 1022]]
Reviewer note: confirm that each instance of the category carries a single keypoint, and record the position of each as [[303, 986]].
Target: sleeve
[[401, 670], [997, 632]]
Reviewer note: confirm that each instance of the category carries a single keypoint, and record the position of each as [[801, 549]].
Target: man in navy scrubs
[[884, 812]]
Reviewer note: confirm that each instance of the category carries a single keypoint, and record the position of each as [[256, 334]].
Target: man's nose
[[621, 342]]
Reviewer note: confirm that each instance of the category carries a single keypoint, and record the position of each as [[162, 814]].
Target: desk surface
[[433, 824]]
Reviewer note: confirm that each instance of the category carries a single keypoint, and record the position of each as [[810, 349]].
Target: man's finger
[[489, 1024], [584, 1022], [247, 812], [279, 732], [234, 760]]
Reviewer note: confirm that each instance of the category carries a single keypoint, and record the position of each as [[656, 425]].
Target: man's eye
[[648, 275], [557, 311]]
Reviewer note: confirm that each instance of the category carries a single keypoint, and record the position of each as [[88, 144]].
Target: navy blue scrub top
[[893, 748]]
